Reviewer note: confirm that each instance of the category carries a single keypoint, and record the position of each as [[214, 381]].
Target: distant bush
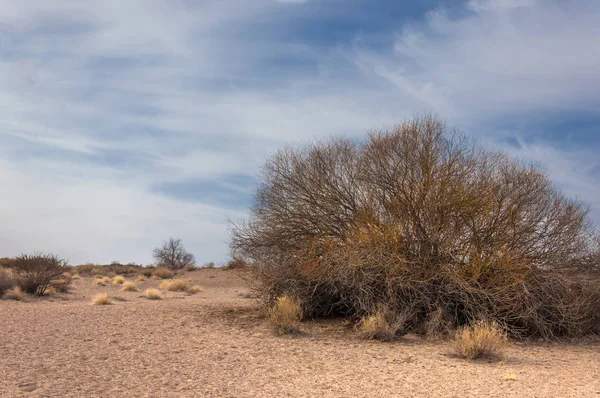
[[5, 262], [236, 263], [174, 285], [285, 315], [6, 280], [162, 273], [480, 340], [191, 267], [153, 294], [209, 265], [35, 272], [420, 218], [173, 255]]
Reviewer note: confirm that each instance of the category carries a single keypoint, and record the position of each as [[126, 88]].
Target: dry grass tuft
[[510, 377], [153, 294], [50, 291], [14, 294], [130, 287], [162, 273], [102, 299], [175, 285], [76, 276], [480, 340], [118, 280], [384, 325], [286, 314], [195, 289], [140, 278]]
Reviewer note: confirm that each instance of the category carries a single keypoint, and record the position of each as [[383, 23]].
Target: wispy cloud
[[125, 122]]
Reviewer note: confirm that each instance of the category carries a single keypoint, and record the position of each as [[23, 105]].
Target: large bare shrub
[[34, 273], [420, 219], [173, 255]]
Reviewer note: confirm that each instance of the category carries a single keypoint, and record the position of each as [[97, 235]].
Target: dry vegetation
[[174, 285], [129, 287], [285, 315], [102, 299], [118, 280], [153, 294], [162, 273], [480, 340], [35, 273], [14, 293], [422, 221], [195, 289], [384, 325]]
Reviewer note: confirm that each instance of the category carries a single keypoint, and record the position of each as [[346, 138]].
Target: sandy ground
[[218, 344]]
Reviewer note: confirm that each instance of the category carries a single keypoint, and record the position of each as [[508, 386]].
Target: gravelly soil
[[218, 344]]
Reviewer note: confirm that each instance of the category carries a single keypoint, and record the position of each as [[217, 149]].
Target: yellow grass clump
[[195, 289], [286, 314], [161, 273], [153, 294], [140, 277], [14, 294], [129, 287], [102, 299], [378, 327], [175, 285], [50, 290], [481, 340], [118, 280], [76, 276]]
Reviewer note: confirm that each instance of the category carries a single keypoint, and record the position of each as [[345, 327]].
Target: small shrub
[[14, 294], [209, 265], [102, 299], [147, 271], [162, 273], [480, 340], [118, 280], [153, 294], [129, 287], [383, 325], [76, 276], [285, 315], [140, 277], [175, 285], [105, 279], [6, 280], [195, 289], [35, 272]]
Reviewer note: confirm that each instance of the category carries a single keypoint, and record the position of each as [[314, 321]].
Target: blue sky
[[124, 122]]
